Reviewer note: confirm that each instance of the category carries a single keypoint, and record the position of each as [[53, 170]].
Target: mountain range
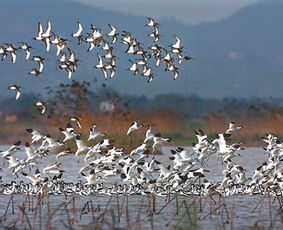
[[240, 56]]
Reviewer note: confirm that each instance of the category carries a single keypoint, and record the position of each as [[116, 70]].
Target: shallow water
[[136, 212], [235, 212]]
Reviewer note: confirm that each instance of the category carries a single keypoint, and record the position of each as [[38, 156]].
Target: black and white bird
[[54, 168], [82, 148], [12, 50], [16, 88], [78, 34], [26, 48], [91, 179], [181, 58], [14, 148], [3, 52], [35, 72], [113, 33], [40, 61], [147, 72], [66, 66], [68, 132], [66, 152], [155, 34], [149, 135], [46, 35], [94, 133], [36, 178], [158, 141], [177, 44], [134, 68], [41, 106], [76, 120], [39, 33], [135, 126], [151, 22], [36, 135]]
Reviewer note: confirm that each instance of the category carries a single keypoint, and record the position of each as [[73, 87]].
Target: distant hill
[[240, 56]]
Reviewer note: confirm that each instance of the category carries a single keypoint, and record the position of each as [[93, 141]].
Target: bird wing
[[49, 27], [18, 93], [80, 29], [47, 44], [39, 30], [13, 57]]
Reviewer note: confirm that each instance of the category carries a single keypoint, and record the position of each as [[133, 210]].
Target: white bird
[[39, 32], [232, 127], [177, 45], [14, 148], [100, 62], [13, 57], [47, 33], [67, 152], [93, 133], [149, 135], [31, 154], [90, 178], [15, 164], [82, 148], [140, 149], [54, 168]]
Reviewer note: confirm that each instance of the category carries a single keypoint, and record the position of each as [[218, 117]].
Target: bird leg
[[130, 140]]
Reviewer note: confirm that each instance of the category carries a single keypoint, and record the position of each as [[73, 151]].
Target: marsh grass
[[166, 122], [139, 212]]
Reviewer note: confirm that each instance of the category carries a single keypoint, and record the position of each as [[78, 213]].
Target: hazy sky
[[188, 11]]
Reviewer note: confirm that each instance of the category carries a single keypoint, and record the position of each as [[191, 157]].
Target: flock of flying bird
[[107, 62], [107, 169], [137, 171]]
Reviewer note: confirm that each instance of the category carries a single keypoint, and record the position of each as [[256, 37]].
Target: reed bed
[[145, 212], [166, 122]]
